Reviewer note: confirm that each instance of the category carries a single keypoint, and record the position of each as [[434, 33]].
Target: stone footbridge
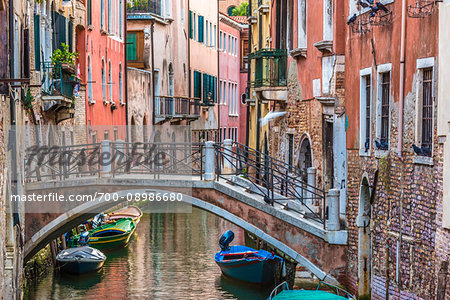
[[252, 190]]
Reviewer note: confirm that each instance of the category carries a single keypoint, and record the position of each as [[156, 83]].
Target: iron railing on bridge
[[274, 180], [269, 177]]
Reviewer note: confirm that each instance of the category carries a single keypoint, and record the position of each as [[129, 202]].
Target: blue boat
[[282, 292], [244, 263]]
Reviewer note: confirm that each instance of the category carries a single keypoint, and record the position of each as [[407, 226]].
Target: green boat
[[282, 292], [109, 235]]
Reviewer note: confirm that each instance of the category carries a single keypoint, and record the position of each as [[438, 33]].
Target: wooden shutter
[[205, 87], [70, 36], [200, 29], [197, 85], [62, 33], [37, 43], [131, 46], [191, 27], [89, 12]]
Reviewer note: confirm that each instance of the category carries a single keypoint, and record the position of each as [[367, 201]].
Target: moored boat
[[110, 235], [282, 292], [80, 260], [244, 263], [132, 212]]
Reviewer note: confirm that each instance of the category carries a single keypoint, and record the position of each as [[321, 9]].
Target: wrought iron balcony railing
[[173, 107], [270, 68], [144, 6], [58, 80]]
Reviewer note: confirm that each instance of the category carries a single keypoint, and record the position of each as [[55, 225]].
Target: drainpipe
[[402, 80], [152, 29], [400, 133], [126, 70], [249, 68], [218, 71]]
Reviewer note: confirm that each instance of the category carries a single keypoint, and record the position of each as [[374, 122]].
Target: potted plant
[[65, 59]]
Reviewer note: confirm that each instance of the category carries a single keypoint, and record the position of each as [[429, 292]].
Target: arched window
[[104, 81], [90, 89], [171, 81], [110, 83], [230, 10], [120, 84]]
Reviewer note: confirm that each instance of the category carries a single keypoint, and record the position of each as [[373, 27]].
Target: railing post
[[105, 158], [333, 210], [209, 161], [228, 167], [311, 180], [118, 153]]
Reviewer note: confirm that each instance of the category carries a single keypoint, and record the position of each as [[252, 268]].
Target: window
[[301, 24], [106, 135], [215, 37], [109, 17], [90, 89], [102, 10], [230, 10], [167, 6], [224, 42], [220, 40], [131, 46], [207, 33], [115, 133], [120, 84], [197, 85], [89, 12], [104, 81], [385, 87], [229, 44], [424, 122], [427, 110], [210, 35], [224, 93], [365, 110], [191, 25], [230, 98], [290, 158], [201, 29], [110, 83], [121, 9], [195, 26], [37, 42]]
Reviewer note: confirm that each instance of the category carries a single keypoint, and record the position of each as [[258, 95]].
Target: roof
[[239, 19]]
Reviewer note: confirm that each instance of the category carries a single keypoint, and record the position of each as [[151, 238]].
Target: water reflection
[[171, 256]]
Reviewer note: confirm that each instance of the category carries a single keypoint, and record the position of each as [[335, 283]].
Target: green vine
[[28, 105]]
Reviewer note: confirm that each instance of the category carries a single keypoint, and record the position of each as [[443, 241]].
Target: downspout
[[218, 71], [400, 134], [188, 10], [152, 29], [247, 133], [126, 70]]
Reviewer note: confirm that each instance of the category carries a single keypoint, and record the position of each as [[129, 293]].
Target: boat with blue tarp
[[245, 263], [282, 292]]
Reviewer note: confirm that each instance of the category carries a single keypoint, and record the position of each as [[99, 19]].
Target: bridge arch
[[77, 215]]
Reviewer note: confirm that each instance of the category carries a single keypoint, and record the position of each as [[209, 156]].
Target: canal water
[[171, 256]]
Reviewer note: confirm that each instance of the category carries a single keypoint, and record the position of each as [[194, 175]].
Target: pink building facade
[[232, 83], [103, 71]]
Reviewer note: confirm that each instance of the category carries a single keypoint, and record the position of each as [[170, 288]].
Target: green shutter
[[62, 33], [70, 36], [215, 89], [205, 87], [131, 46], [191, 27], [37, 42], [197, 85], [89, 12], [200, 29]]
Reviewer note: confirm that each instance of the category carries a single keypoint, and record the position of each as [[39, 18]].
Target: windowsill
[[91, 101], [122, 103], [423, 160], [105, 102], [90, 27], [381, 153], [298, 52], [103, 31], [233, 115], [363, 152]]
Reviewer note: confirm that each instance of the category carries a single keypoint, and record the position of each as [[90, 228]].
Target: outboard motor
[[84, 238], [225, 240]]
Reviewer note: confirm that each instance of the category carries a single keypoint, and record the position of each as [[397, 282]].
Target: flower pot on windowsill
[[113, 106], [68, 68]]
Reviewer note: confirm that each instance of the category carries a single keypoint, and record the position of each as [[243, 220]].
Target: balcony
[[176, 108], [144, 7], [58, 83], [263, 6], [270, 68], [251, 19]]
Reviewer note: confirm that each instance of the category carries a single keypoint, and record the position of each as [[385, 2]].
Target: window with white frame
[[327, 20], [207, 33], [365, 100], [211, 35], [120, 84], [90, 89], [229, 44], [104, 81], [383, 107], [424, 107], [215, 37], [301, 24], [224, 93], [110, 83], [220, 41], [230, 98]]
